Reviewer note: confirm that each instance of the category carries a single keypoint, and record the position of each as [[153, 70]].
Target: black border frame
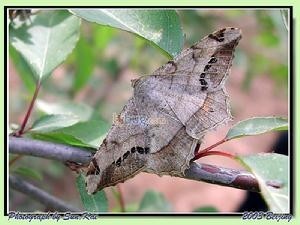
[[291, 118]]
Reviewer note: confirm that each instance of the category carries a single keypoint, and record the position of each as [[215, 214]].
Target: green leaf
[[84, 134], [23, 70], [92, 203], [154, 202], [28, 172], [49, 123], [257, 125], [161, 27], [206, 209], [85, 63], [46, 41], [59, 137], [271, 170], [82, 111]]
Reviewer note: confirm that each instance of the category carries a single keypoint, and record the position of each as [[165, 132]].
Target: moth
[[170, 112]]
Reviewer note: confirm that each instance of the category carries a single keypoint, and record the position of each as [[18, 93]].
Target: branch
[[41, 196], [200, 172], [48, 150]]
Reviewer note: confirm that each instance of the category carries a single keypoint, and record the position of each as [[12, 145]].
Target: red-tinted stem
[[202, 154], [213, 146], [28, 113]]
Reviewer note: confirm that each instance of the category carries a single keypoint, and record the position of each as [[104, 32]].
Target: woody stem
[[197, 171]]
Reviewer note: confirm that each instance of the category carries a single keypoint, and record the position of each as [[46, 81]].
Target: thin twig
[[222, 176], [39, 195], [28, 113], [15, 159], [199, 153], [200, 172]]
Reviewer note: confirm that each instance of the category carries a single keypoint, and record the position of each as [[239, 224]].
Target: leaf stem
[[199, 154], [225, 154], [28, 113]]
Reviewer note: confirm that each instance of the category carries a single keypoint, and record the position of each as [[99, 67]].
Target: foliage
[[92, 203], [271, 170], [50, 38]]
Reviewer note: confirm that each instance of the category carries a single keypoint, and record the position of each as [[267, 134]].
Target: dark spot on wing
[[133, 150], [213, 60], [203, 82], [207, 67], [222, 31], [118, 163], [140, 150], [147, 150], [204, 88], [126, 154]]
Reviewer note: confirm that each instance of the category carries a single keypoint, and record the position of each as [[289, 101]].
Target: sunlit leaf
[[46, 41], [49, 123], [257, 125], [84, 134], [161, 27], [81, 111]]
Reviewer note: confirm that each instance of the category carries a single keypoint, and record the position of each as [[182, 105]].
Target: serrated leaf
[[257, 125], [28, 172], [271, 171], [84, 134], [49, 123], [46, 41], [154, 202], [161, 27], [92, 203], [82, 111]]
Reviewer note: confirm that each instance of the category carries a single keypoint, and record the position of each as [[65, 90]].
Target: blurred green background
[[98, 73]]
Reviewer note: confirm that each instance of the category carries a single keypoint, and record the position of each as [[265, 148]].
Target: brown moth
[[169, 113]]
